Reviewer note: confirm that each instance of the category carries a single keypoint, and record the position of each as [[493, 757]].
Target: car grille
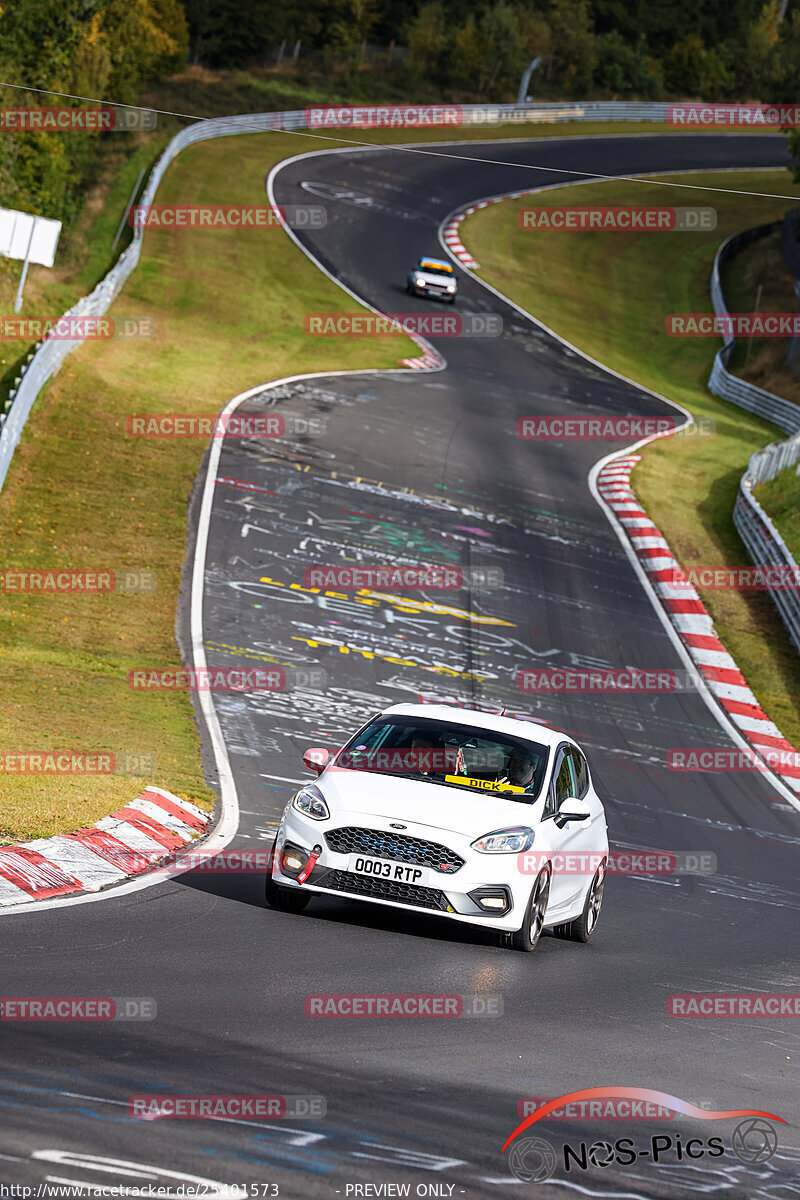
[[384, 889], [380, 844]]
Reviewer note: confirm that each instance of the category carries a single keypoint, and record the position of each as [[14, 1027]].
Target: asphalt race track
[[427, 465]]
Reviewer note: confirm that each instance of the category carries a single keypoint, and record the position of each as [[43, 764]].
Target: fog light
[[292, 862], [494, 900]]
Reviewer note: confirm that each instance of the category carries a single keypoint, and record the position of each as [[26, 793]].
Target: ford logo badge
[[393, 826]]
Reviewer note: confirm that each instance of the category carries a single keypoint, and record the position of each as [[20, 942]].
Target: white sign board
[[15, 236]]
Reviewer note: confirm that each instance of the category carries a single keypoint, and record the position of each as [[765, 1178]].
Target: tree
[[537, 38], [144, 40], [621, 68], [685, 65], [504, 59], [784, 68], [754, 51], [428, 37], [466, 64], [100, 48], [793, 146], [574, 44], [225, 33], [717, 79]]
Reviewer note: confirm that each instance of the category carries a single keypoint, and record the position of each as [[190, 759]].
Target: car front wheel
[[582, 928], [527, 937], [284, 899]]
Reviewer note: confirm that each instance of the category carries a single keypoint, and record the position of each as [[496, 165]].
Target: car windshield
[[448, 754], [434, 268]]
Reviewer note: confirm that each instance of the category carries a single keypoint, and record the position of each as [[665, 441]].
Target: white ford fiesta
[[488, 820]]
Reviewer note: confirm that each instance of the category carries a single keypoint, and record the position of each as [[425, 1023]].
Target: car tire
[[582, 928], [282, 898], [451, 300], [526, 938]]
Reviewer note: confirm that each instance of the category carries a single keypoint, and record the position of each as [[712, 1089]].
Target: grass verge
[[759, 274], [780, 497], [757, 280], [228, 307], [629, 282]]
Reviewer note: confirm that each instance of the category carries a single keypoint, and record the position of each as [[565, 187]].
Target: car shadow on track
[[249, 889]]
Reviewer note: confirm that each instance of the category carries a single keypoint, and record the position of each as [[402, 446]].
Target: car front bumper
[[424, 289], [455, 895]]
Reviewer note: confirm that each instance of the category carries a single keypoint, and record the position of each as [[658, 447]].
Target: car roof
[[436, 262], [493, 722]]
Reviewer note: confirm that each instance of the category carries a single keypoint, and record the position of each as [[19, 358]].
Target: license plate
[[379, 868]]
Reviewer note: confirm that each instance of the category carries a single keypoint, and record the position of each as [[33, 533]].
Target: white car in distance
[[432, 277], [480, 818]]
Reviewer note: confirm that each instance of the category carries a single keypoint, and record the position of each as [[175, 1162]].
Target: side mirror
[[316, 760], [573, 809]]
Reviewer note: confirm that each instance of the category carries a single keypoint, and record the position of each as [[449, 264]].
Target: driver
[[520, 769], [428, 741]]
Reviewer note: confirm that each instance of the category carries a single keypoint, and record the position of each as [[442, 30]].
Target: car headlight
[[505, 841], [311, 802], [451, 287]]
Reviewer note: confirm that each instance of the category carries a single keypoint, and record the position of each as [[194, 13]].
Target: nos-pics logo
[[535, 1160]]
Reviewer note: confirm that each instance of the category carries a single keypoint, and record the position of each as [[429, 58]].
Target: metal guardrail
[[547, 111], [763, 542]]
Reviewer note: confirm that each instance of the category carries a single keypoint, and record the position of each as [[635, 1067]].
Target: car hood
[[435, 806], [430, 277]]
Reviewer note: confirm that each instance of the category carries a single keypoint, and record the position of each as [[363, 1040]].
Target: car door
[[574, 838]]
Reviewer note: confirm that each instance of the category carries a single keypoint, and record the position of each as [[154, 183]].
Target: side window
[[580, 772], [562, 781]]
